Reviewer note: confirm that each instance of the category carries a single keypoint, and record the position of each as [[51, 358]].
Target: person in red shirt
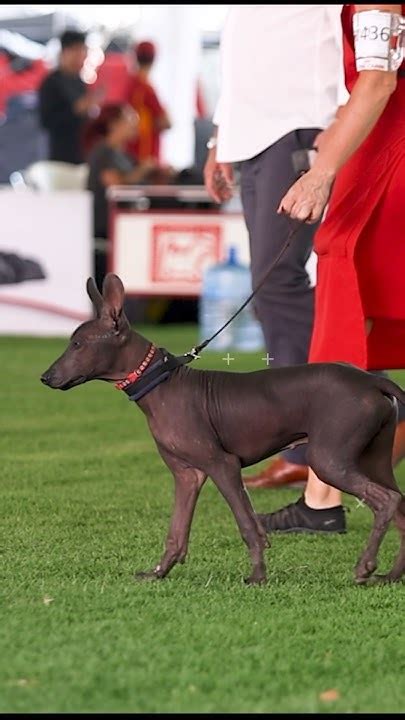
[[114, 74], [153, 118], [15, 82]]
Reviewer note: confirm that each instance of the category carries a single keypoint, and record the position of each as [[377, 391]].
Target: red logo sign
[[182, 252]]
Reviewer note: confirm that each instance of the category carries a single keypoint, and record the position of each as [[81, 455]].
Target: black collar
[[155, 374]]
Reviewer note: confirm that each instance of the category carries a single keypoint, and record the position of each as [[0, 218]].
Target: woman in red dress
[[360, 293]]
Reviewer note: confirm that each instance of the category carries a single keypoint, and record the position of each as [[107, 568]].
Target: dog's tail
[[388, 387]]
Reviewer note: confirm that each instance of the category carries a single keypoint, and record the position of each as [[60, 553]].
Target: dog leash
[[194, 353], [146, 377], [143, 379], [302, 164]]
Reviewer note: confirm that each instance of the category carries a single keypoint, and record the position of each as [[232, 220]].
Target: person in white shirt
[[281, 83]]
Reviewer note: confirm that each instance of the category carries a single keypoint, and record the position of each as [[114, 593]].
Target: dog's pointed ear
[[113, 296], [94, 295]]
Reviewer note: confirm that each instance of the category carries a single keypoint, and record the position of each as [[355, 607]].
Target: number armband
[[378, 40]]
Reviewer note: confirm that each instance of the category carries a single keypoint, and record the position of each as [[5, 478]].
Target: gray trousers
[[285, 303]]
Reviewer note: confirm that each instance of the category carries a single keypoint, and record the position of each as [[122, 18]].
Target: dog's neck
[[136, 360], [131, 356], [150, 369]]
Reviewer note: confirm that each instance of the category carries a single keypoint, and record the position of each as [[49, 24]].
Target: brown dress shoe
[[279, 473], [398, 451]]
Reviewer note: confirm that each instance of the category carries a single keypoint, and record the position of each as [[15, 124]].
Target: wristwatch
[[212, 142]]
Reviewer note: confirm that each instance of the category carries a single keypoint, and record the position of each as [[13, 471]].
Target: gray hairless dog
[[213, 423]]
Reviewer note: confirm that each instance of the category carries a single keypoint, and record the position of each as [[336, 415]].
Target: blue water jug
[[225, 286]]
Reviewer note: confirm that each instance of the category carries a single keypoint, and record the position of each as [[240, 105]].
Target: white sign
[[166, 253], [45, 260]]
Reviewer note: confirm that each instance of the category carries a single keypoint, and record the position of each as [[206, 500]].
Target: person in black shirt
[[64, 101], [105, 140]]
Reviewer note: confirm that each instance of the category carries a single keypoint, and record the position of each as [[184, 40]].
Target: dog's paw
[[363, 572], [383, 579], [255, 580], [362, 580], [147, 575]]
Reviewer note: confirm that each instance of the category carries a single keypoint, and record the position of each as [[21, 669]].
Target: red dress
[[361, 243]]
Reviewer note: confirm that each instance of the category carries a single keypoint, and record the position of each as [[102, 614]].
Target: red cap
[[145, 51]]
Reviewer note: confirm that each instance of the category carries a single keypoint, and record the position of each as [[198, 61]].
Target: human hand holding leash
[[308, 197]]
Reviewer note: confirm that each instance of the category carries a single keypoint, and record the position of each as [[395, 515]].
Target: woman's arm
[[111, 176], [307, 198]]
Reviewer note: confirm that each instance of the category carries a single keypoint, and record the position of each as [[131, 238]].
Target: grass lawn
[[86, 501]]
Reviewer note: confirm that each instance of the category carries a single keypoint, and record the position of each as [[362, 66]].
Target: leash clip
[[193, 353]]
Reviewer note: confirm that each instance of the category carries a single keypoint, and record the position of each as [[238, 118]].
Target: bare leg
[[188, 483], [226, 475], [320, 496]]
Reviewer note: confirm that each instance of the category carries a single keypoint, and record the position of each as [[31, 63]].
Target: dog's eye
[[76, 343]]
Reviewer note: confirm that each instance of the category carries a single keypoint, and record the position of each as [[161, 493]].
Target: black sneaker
[[299, 518]]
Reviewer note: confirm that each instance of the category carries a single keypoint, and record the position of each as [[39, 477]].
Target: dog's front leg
[[226, 474], [188, 483]]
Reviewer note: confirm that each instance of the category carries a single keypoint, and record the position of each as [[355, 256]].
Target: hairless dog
[[213, 423]]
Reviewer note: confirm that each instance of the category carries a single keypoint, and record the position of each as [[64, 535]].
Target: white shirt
[[281, 70]]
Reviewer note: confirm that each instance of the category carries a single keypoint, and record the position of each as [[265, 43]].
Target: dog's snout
[[45, 378]]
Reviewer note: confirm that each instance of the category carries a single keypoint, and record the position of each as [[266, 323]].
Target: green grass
[[86, 501]]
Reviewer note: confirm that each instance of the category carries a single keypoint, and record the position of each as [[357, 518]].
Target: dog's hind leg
[[398, 569], [226, 475], [383, 503], [359, 463], [188, 483], [376, 461], [381, 500]]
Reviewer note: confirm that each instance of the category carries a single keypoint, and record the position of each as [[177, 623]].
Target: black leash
[[301, 162], [193, 354], [162, 369]]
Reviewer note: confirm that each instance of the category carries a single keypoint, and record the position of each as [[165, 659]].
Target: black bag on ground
[[15, 269]]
